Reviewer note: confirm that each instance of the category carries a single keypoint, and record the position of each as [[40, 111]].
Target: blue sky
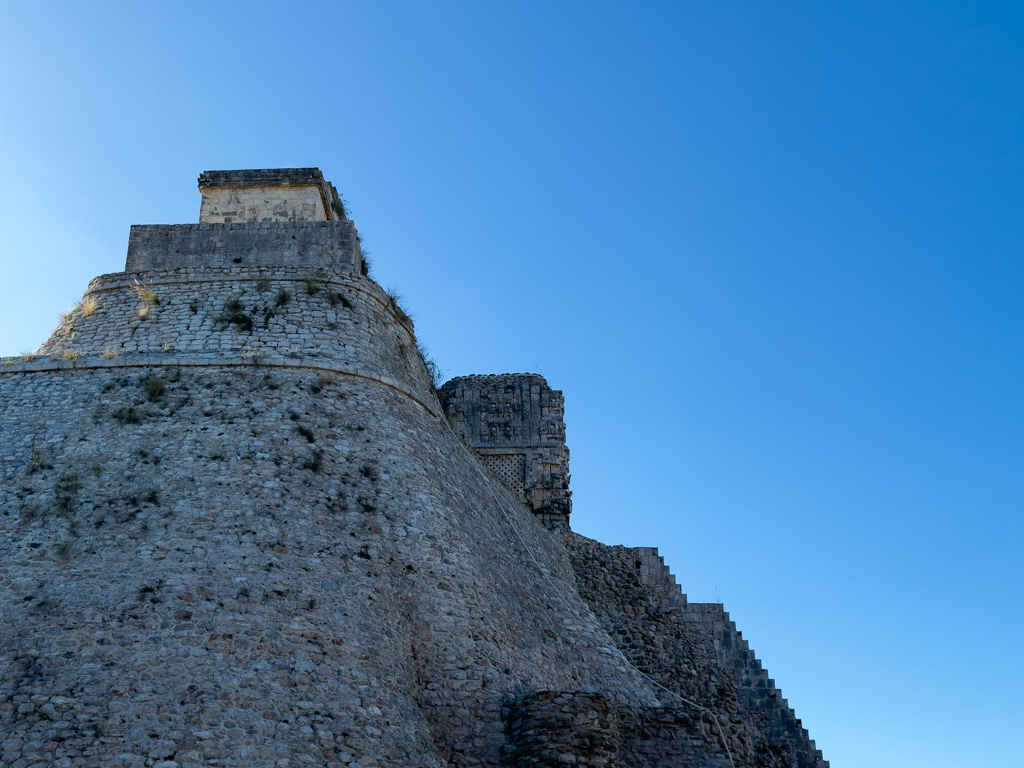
[[772, 254]]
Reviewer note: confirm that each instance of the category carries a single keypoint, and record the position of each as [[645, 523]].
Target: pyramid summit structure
[[243, 526]]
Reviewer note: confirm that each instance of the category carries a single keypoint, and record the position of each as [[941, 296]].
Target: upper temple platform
[[258, 217]]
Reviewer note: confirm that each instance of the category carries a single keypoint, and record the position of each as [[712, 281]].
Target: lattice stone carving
[[510, 469]]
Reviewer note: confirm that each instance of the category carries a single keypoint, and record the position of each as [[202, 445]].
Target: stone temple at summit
[[245, 525]]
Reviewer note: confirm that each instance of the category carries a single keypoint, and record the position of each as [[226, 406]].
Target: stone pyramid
[[242, 527]]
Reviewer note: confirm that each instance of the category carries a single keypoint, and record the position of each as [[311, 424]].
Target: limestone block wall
[[692, 649], [586, 729], [667, 737], [238, 528], [560, 728], [242, 315], [243, 564], [514, 423], [326, 244], [266, 195]]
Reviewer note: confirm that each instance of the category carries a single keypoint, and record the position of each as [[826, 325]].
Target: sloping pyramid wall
[[235, 531]]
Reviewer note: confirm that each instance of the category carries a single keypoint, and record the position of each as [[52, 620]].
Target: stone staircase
[[756, 689]]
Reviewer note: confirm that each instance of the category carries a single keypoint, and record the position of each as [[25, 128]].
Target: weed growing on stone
[[143, 313], [306, 432], [433, 369], [146, 293], [234, 312], [263, 285], [64, 550], [89, 305], [153, 387], [312, 285], [39, 461], [397, 301], [334, 299], [71, 355], [27, 356], [66, 491], [109, 353], [315, 462], [283, 297], [126, 415]]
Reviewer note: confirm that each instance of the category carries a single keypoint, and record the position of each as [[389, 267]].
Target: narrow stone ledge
[[12, 365]]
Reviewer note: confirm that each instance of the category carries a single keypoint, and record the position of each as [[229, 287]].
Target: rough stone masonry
[[240, 527]]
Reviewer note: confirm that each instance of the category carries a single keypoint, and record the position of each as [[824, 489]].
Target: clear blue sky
[[772, 253]]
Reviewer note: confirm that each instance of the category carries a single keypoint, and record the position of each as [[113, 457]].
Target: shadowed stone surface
[[237, 529]]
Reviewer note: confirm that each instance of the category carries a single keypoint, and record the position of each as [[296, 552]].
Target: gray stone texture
[[329, 244], [514, 424], [237, 528], [692, 650], [268, 194]]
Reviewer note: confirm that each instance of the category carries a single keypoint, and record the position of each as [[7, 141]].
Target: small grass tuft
[[127, 415], [315, 461], [143, 313], [306, 432], [153, 387], [397, 301], [283, 297], [64, 550], [89, 305], [334, 299], [146, 293], [433, 369], [66, 491], [312, 285], [234, 313], [263, 285], [109, 353]]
